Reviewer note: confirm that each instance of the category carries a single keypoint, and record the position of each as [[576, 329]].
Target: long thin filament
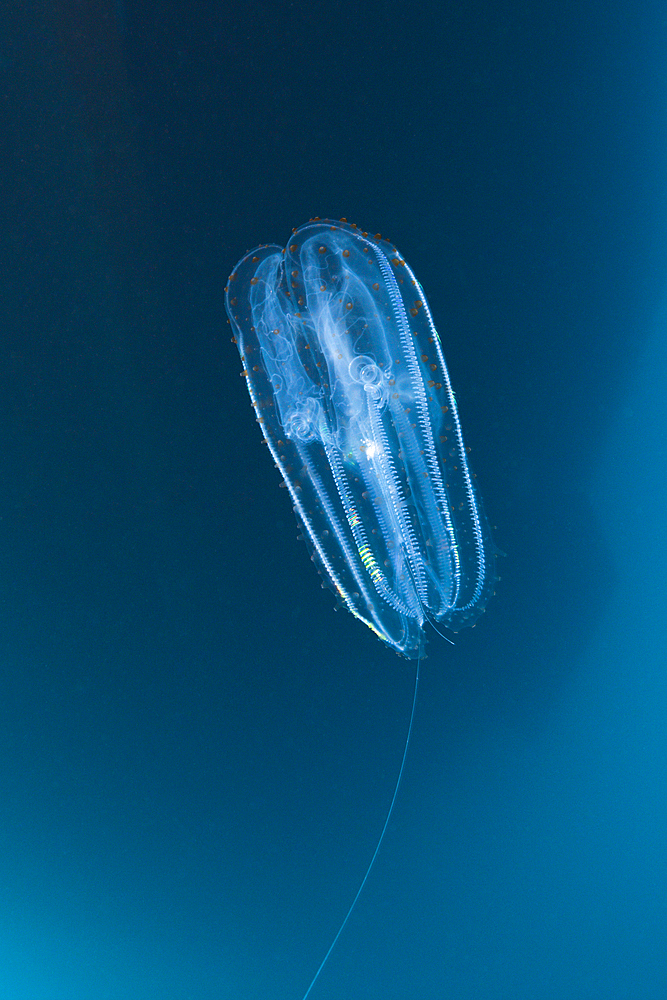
[[379, 843]]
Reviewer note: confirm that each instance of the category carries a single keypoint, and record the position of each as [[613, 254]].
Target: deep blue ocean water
[[196, 753]]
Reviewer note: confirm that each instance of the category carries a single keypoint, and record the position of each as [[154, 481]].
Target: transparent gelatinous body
[[347, 376]]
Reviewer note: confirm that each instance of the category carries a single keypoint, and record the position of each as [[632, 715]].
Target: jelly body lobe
[[347, 376]]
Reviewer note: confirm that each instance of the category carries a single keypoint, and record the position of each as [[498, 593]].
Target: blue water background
[[196, 751]]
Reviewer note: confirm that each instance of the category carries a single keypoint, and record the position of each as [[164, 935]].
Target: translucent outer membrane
[[347, 376]]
